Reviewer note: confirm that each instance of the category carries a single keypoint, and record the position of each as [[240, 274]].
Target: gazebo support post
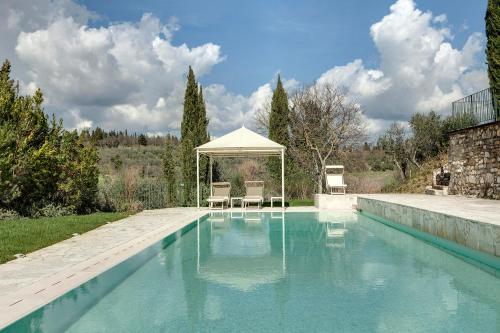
[[283, 250], [283, 178], [197, 179], [210, 162]]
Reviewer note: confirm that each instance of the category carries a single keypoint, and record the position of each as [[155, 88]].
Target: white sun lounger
[[335, 179], [254, 193], [220, 194]]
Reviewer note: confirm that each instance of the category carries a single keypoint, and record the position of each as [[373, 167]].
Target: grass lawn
[[300, 202], [28, 235], [291, 203]]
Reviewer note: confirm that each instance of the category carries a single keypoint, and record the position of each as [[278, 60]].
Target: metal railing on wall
[[476, 109]]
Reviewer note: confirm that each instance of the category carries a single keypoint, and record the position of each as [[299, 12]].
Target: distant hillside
[[148, 159]]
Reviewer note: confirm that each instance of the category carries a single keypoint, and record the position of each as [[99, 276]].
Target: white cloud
[[361, 81], [78, 122], [125, 75], [29, 16], [227, 111], [419, 68], [131, 75], [440, 19]]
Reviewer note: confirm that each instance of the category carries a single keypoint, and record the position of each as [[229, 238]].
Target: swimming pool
[[275, 272]]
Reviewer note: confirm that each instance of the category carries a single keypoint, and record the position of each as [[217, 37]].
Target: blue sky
[[301, 39], [121, 64]]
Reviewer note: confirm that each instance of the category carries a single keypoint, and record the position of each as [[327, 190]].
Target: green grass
[[291, 203], [300, 202], [28, 235]]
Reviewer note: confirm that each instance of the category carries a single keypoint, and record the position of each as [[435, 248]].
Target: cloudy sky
[[122, 64]]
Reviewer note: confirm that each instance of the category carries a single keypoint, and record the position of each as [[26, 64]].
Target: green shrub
[[117, 162], [461, 121], [151, 193], [128, 191], [6, 215], [112, 194], [52, 210], [40, 162], [237, 186]]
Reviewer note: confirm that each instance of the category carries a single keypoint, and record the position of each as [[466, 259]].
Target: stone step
[[432, 190]]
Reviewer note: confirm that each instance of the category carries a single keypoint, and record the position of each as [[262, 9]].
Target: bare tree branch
[[323, 123], [261, 118]]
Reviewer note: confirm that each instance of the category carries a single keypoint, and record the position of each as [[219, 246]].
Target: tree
[[41, 163], [493, 49], [142, 140], [193, 133], [79, 174], [202, 136], [395, 144], [279, 128], [8, 92], [169, 172], [261, 118], [322, 123], [29, 160], [428, 137], [189, 126], [98, 134]]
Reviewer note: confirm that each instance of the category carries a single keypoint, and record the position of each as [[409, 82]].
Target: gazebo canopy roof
[[241, 142]]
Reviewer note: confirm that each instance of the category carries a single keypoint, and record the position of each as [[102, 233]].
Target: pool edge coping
[[36, 295], [463, 240]]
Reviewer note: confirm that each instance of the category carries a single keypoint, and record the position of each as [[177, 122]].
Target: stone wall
[[474, 158]]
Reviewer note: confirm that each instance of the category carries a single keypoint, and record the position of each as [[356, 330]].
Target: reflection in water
[[252, 217], [217, 217], [195, 290], [240, 256], [279, 273], [335, 232]]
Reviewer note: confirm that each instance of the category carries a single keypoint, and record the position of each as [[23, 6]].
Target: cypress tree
[[7, 92], [142, 140], [189, 120], [193, 133], [169, 172], [202, 128], [189, 127], [493, 50], [202, 136], [278, 128]]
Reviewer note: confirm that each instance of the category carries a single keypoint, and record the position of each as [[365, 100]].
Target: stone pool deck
[[40, 277], [471, 222]]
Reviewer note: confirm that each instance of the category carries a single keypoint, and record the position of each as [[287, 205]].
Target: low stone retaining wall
[[335, 202], [478, 236], [474, 158]]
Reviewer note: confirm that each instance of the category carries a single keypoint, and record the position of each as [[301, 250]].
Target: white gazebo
[[240, 143]]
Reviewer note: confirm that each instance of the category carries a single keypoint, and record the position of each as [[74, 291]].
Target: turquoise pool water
[[297, 272]]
